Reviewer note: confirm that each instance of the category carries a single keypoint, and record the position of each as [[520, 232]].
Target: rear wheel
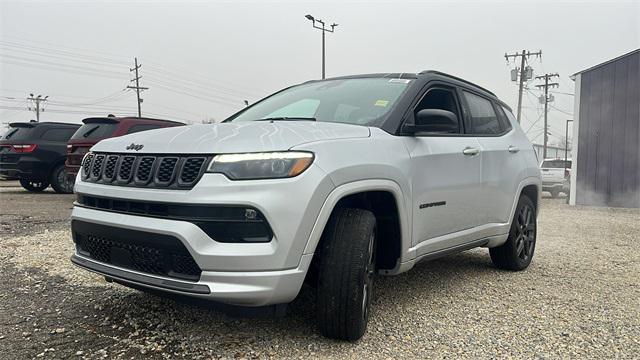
[[60, 182], [346, 274], [516, 253], [34, 186]]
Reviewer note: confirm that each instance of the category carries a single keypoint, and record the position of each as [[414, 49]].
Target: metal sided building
[[606, 134]]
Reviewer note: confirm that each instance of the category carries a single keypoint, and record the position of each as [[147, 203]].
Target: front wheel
[[346, 274], [34, 186], [60, 182], [516, 253]]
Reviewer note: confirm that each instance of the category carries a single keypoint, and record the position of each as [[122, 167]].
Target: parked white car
[[555, 176], [332, 182]]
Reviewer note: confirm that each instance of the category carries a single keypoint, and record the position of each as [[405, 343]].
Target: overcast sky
[[203, 59]]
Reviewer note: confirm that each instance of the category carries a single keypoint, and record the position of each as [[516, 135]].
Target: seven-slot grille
[[144, 170]]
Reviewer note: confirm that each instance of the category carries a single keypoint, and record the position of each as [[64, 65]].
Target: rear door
[[445, 176], [502, 166]]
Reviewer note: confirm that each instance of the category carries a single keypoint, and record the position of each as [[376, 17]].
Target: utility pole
[[324, 30], [137, 87], [525, 72], [37, 108], [546, 99]]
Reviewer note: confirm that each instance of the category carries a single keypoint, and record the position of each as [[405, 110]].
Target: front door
[[445, 178]]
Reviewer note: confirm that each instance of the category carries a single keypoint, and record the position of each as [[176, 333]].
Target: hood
[[250, 136]]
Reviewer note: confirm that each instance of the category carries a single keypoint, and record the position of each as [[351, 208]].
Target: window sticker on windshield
[[382, 103], [401, 81]]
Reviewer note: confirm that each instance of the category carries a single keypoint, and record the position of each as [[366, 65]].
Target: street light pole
[[324, 30]]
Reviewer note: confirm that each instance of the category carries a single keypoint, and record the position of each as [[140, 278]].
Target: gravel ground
[[579, 299]]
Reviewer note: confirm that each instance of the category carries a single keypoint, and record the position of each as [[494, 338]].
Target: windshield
[[364, 101], [95, 131]]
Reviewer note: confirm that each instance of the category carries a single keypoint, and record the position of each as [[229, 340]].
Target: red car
[[96, 129]]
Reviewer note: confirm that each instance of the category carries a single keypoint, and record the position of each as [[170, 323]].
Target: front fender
[[358, 187]]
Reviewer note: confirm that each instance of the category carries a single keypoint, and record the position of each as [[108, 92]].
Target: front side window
[[483, 119], [363, 101], [440, 99]]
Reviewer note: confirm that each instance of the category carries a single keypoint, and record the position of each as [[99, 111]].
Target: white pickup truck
[[555, 176]]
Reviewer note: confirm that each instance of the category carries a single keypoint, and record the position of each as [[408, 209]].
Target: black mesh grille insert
[[148, 253], [110, 167], [126, 167], [148, 170], [96, 169], [166, 168], [86, 165], [143, 173], [191, 170]]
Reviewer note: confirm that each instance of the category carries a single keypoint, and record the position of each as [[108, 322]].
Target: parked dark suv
[[96, 129], [34, 153]]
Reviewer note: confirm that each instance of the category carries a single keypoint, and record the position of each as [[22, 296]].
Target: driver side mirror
[[433, 121]]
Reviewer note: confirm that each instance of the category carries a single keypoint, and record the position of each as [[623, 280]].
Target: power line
[[562, 111]]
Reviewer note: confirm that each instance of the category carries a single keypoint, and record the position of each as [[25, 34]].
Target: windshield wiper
[[86, 134], [10, 133], [287, 118]]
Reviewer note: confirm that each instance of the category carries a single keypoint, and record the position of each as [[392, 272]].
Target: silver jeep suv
[[331, 182]]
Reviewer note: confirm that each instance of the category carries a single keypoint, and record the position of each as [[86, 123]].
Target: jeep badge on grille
[[135, 147]]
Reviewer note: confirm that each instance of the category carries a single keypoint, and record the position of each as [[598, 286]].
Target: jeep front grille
[[164, 171]]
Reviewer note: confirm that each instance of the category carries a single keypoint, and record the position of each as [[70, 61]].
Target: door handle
[[513, 149], [470, 151]]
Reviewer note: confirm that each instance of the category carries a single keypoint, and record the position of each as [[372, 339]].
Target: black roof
[[411, 76]]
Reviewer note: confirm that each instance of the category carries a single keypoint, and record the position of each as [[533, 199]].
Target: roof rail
[[455, 78]]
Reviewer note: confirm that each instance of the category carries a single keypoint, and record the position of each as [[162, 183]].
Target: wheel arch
[[386, 200]]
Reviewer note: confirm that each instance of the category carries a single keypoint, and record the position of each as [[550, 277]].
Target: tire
[[554, 193], [346, 274], [34, 186], [516, 253], [60, 181]]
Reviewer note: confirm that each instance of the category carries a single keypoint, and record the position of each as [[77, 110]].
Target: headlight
[[271, 165]]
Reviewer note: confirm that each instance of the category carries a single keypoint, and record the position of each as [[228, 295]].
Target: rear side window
[[18, 133], [57, 134], [142, 127], [484, 120], [505, 120], [95, 131]]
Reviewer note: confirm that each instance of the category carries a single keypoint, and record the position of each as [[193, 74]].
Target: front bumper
[[256, 288], [250, 274]]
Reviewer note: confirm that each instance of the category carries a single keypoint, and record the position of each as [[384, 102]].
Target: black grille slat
[[143, 170], [86, 165], [110, 167], [148, 170], [191, 170], [126, 168], [166, 169], [96, 168]]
